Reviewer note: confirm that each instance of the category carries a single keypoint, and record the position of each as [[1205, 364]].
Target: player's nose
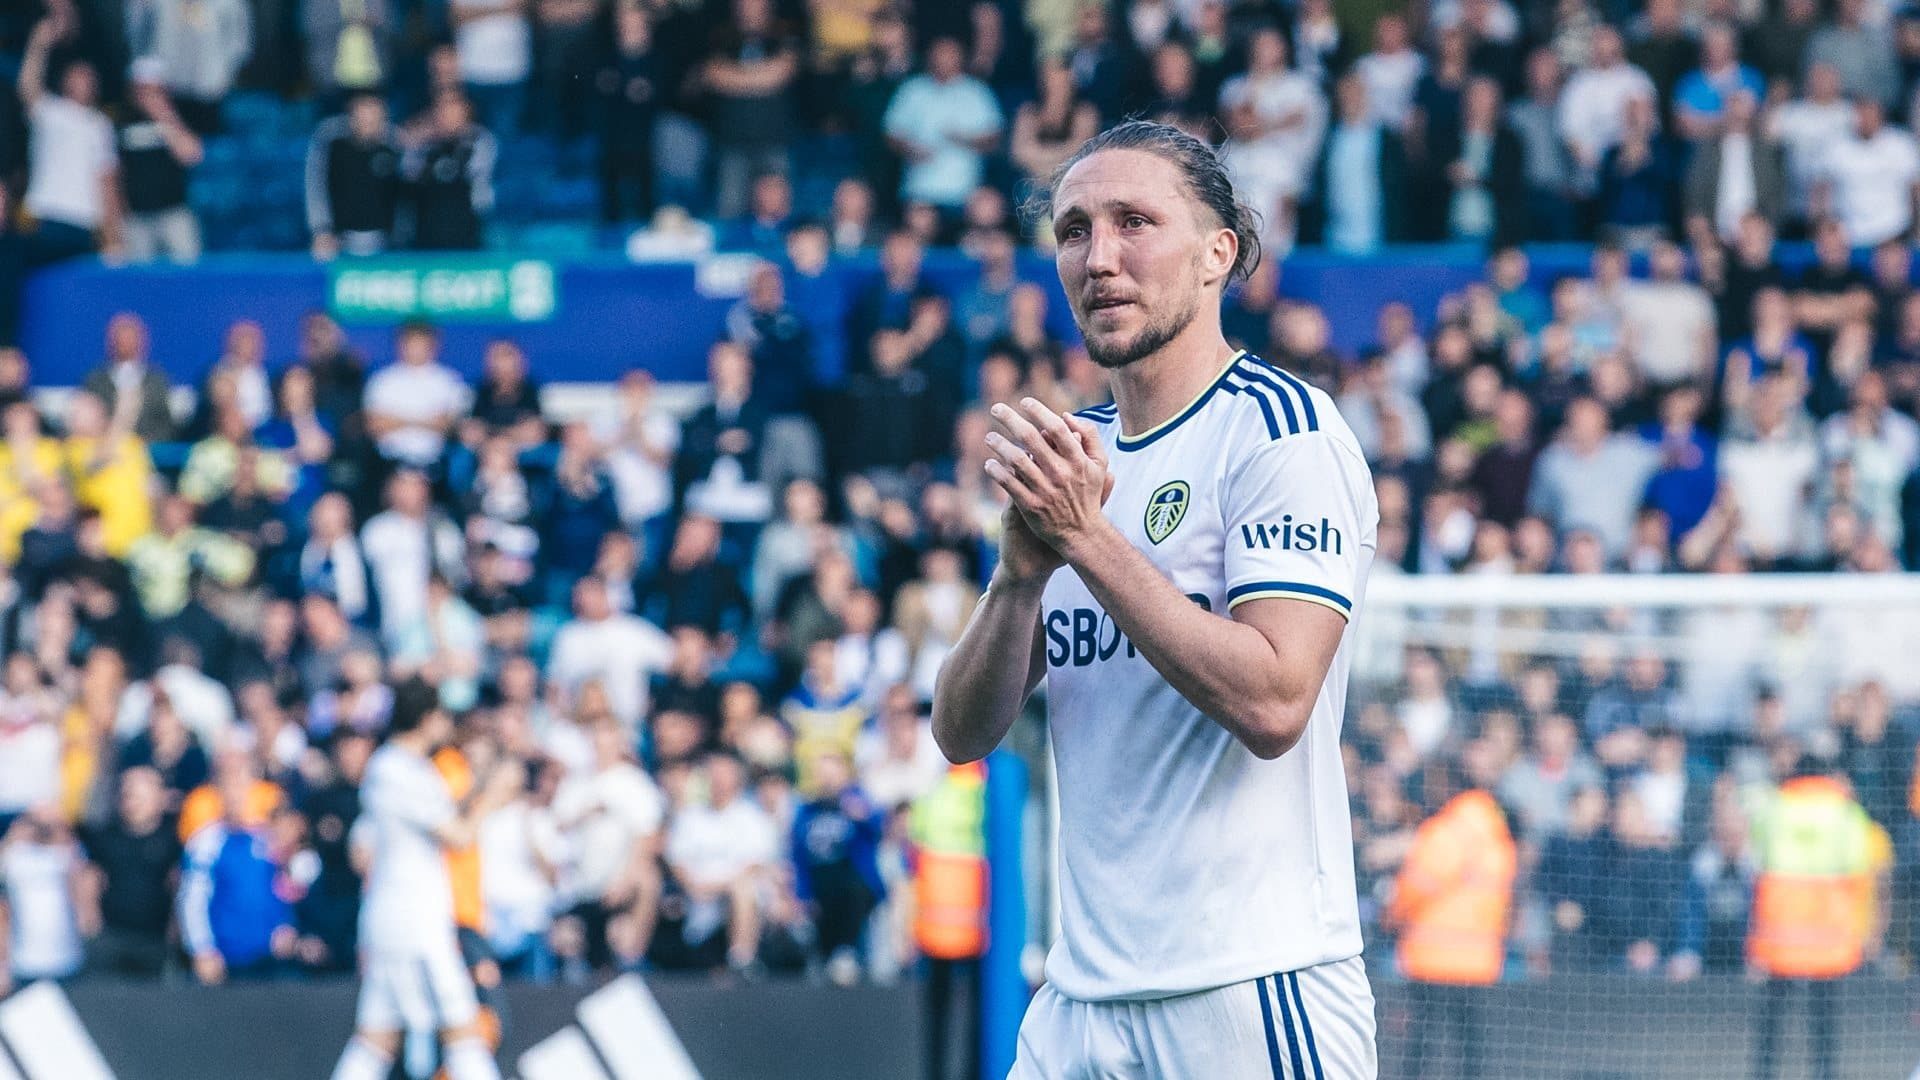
[[1103, 251]]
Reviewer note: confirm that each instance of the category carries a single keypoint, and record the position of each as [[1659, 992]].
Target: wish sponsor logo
[[1291, 535]]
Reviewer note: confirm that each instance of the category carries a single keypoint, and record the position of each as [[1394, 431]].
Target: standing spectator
[[29, 740], [506, 398], [825, 714], [1735, 171], [354, 181], [750, 74], [1275, 119], [234, 921], [1668, 320], [1488, 201], [1860, 51], [630, 90], [349, 46], [693, 587], [111, 470], [1595, 106], [1871, 179], [1808, 128], [1357, 198], [200, 45], [1777, 42], [156, 151], [1712, 933], [1635, 200], [1592, 477], [835, 841], [943, 123], [1664, 47], [1503, 473], [412, 404], [135, 859], [449, 175], [1391, 72], [717, 469], [887, 414], [404, 546], [769, 214], [1700, 101], [1548, 168], [45, 904], [620, 652], [1047, 130], [1768, 474], [569, 40], [494, 41], [1450, 906], [73, 187]]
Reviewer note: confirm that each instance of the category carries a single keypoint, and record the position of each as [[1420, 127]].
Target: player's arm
[[1257, 672]]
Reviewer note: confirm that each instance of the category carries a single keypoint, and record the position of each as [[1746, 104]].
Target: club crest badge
[[1166, 509]]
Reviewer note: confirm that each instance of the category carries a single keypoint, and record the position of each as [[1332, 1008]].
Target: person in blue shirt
[[835, 841], [235, 919], [1701, 97]]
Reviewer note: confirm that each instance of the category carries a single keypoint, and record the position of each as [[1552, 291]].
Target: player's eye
[[1135, 221], [1073, 232]]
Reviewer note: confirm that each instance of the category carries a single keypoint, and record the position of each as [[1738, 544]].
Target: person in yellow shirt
[[111, 472], [28, 461]]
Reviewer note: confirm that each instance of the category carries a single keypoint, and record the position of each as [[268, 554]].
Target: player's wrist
[[1086, 545], [1020, 585]]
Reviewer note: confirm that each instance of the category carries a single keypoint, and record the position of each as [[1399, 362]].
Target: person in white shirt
[[613, 816], [412, 403], [1669, 321], [44, 905], [412, 975], [494, 41], [1391, 72], [1768, 475], [900, 761], [720, 853], [73, 187], [404, 545], [620, 652], [640, 437], [1185, 559], [943, 123], [1593, 108], [1275, 118], [1871, 178], [1807, 128]]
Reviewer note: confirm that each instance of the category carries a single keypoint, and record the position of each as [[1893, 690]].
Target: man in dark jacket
[[353, 181], [1357, 200], [450, 178], [1716, 200], [728, 429]]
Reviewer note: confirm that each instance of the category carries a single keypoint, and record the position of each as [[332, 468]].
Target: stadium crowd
[[709, 637]]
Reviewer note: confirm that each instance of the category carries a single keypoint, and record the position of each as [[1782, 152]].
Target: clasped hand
[[1054, 469]]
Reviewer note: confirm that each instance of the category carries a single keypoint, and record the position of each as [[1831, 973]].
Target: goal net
[[1633, 729]]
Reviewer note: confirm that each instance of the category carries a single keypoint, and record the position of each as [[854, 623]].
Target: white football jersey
[[409, 896], [1187, 863]]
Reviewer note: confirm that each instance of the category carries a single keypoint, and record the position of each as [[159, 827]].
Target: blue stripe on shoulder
[[1099, 414], [1306, 1026], [1266, 409], [1305, 392], [1262, 375]]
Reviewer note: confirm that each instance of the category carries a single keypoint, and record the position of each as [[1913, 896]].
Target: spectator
[[494, 41], [717, 469], [780, 343], [164, 563], [1502, 475], [156, 151], [1591, 477], [47, 908], [835, 842], [1548, 167], [769, 213], [1488, 199], [1047, 130], [1390, 73], [614, 813], [1543, 787], [1668, 320], [1734, 172], [73, 187], [412, 404], [630, 85], [1635, 202], [1777, 42], [1637, 915], [693, 587], [449, 174], [719, 853], [1871, 178], [568, 40], [354, 181], [135, 859], [943, 123], [330, 561], [825, 714], [1701, 98], [1275, 119], [620, 652], [233, 918], [751, 73], [1862, 53], [898, 761], [404, 546], [1356, 199], [1808, 128], [1595, 109], [350, 46], [506, 398], [111, 470], [1177, 95], [199, 45]]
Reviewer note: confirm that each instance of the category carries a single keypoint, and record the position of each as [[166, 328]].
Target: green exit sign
[[386, 290]]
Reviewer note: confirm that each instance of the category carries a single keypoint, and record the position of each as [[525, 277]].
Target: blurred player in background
[[412, 974], [1216, 525]]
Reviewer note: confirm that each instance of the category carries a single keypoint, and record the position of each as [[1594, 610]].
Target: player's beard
[[1150, 339]]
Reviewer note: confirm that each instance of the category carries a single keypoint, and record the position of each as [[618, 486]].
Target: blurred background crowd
[[707, 625]]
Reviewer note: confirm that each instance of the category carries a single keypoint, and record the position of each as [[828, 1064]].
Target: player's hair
[[1205, 174], [413, 701]]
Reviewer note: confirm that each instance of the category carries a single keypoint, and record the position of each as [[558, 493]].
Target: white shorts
[[423, 989], [1314, 1024]]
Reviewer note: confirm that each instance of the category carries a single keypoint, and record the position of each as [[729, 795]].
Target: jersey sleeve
[[417, 798], [1297, 512]]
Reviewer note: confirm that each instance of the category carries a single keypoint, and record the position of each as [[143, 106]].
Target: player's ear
[[1222, 248]]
